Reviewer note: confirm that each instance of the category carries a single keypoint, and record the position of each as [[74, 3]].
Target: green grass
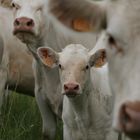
[[21, 119]]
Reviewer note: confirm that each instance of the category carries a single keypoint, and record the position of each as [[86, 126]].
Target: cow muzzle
[[71, 89], [23, 25], [129, 119]]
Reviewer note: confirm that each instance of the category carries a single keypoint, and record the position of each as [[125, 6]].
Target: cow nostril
[[76, 87], [125, 118], [71, 87], [30, 23], [16, 23], [65, 87]]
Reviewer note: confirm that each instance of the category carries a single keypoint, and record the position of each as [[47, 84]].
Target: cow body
[[33, 27], [16, 63], [121, 20], [87, 104]]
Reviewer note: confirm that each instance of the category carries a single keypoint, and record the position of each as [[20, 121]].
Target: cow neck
[[32, 47], [88, 109], [80, 105]]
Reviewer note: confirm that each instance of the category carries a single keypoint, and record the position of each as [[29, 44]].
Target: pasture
[[21, 120]]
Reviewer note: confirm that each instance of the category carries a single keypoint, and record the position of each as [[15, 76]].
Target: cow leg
[[67, 134], [3, 72], [3, 80], [48, 117]]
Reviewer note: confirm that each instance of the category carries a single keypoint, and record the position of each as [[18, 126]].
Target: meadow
[[21, 120]]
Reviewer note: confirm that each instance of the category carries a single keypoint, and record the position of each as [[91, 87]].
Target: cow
[[15, 60], [33, 26], [121, 21], [87, 104]]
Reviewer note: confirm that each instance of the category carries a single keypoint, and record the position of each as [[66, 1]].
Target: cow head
[[74, 64], [122, 23], [29, 19]]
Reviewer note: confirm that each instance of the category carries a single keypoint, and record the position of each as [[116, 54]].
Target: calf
[[87, 105], [121, 21], [33, 26]]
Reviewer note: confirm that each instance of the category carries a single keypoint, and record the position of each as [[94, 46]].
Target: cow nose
[[129, 118], [71, 87], [24, 22]]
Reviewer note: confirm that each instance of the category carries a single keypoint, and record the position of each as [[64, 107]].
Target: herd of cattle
[[80, 59]]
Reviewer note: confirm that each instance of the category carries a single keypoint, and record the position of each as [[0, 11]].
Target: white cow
[[87, 105], [15, 61], [121, 20], [33, 26]]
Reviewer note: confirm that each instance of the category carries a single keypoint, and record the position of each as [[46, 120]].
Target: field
[[21, 120]]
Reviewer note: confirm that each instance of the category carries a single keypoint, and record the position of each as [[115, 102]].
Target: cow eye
[[113, 44], [13, 5], [16, 6], [111, 41], [87, 67], [60, 66]]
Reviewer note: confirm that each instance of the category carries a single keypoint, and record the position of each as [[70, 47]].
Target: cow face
[[121, 20], [29, 19], [74, 64], [123, 57]]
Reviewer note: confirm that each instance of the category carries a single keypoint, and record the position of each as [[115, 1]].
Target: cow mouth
[[25, 36], [71, 94], [20, 31]]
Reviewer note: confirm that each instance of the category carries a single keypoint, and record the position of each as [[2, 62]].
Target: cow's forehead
[[74, 50], [74, 53], [124, 20]]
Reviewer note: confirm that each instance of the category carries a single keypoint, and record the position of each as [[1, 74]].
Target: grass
[[21, 120]]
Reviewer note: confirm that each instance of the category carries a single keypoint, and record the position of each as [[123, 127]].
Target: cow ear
[[6, 3], [79, 15], [48, 56], [98, 59]]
